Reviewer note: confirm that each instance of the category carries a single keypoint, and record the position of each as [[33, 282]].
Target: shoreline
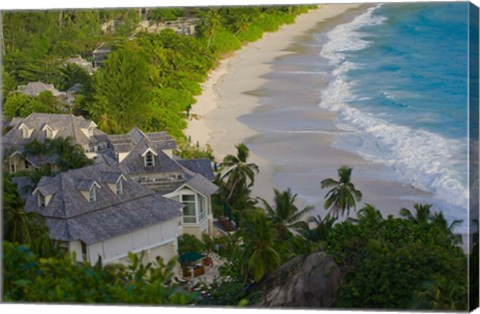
[[226, 93]]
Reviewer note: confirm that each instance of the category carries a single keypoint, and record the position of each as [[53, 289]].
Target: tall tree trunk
[[60, 19], [2, 42]]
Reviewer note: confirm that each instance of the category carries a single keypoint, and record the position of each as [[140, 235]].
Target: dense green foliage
[[285, 214], [21, 105], [188, 243], [121, 98], [397, 263], [22, 227], [68, 155], [149, 80], [235, 179], [29, 278]]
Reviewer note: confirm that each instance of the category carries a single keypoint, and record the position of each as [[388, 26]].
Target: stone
[[304, 282]]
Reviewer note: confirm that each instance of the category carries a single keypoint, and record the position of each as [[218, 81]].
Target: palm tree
[[316, 236], [210, 25], [258, 253], [70, 155], [236, 182], [285, 215], [369, 214], [240, 171], [343, 195], [422, 214], [21, 226]]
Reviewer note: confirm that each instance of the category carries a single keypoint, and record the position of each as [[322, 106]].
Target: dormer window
[[149, 159], [119, 187], [26, 132], [40, 199], [92, 195], [90, 131], [49, 133]]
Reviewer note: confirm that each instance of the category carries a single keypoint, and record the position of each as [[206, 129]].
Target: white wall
[[76, 246], [114, 249]]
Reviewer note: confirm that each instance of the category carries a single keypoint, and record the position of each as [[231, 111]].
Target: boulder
[[303, 282]]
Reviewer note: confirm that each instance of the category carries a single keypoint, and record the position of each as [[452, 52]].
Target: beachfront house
[[148, 159], [97, 212], [36, 88], [99, 55], [80, 62], [42, 126]]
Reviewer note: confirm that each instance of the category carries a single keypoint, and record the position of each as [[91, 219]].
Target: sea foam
[[421, 158]]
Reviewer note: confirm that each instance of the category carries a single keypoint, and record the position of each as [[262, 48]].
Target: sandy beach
[[224, 97], [233, 91]]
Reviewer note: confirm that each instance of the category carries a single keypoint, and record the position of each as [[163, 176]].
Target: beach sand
[[233, 91]]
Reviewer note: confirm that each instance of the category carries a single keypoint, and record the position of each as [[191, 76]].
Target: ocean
[[394, 76]]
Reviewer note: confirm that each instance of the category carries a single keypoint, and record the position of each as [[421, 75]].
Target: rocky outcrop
[[303, 282]]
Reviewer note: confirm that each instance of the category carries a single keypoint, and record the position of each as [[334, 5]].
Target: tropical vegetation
[[148, 80], [413, 261]]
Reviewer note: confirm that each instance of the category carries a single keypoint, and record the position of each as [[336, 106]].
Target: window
[[27, 164], [201, 203], [149, 159], [13, 167], [41, 199], [189, 209], [24, 132], [84, 251], [49, 132], [92, 197], [90, 131], [119, 187]]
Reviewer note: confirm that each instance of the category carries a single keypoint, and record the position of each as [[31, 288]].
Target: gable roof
[[136, 143], [35, 88], [70, 216], [201, 185], [67, 125], [201, 166]]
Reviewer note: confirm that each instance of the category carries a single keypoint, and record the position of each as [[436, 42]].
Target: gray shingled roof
[[134, 163], [67, 125], [110, 177], [70, 216], [202, 185], [84, 184], [24, 185], [35, 88], [201, 166], [197, 173]]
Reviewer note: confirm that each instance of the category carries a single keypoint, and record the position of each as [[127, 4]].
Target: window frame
[[149, 159], [92, 195], [49, 132], [41, 200], [119, 187]]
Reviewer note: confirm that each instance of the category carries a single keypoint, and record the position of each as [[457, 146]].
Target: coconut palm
[[343, 194], [422, 213], [258, 253], [285, 214], [239, 170], [235, 183], [319, 233], [369, 214]]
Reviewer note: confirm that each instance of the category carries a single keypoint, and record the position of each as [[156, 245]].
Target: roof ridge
[[116, 204]]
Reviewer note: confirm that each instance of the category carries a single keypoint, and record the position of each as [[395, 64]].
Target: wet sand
[[252, 94]]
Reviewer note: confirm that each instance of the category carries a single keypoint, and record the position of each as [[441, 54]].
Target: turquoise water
[[387, 83], [398, 80]]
